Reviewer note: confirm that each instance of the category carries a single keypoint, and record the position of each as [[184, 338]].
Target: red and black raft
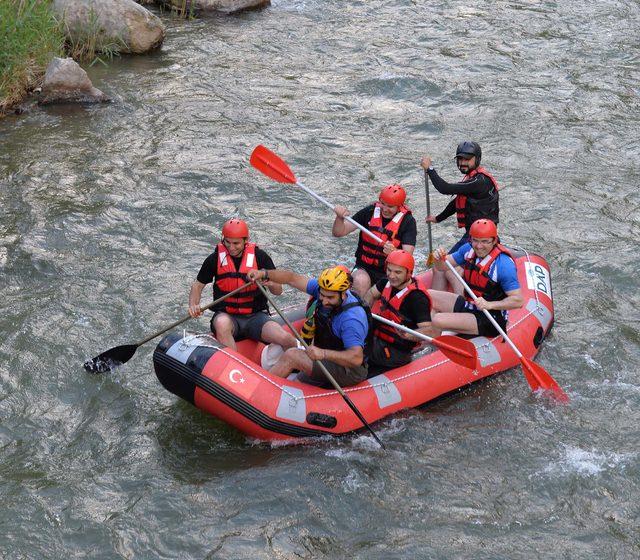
[[232, 386]]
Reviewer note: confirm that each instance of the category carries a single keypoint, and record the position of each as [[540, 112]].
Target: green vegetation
[[83, 43], [183, 9], [30, 37]]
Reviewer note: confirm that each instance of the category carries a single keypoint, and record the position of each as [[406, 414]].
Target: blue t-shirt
[[350, 326], [502, 270]]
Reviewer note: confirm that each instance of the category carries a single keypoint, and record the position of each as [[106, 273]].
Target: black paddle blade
[[110, 359]]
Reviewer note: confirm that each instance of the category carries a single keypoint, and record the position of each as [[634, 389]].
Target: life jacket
[[324, 337], [388, 306], [227, 279], [369, 251], [469, 208], [477, 275]]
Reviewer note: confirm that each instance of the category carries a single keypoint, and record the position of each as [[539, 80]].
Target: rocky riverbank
[[36, 32]]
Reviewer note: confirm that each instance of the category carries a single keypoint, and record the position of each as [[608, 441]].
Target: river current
[[107, 212]]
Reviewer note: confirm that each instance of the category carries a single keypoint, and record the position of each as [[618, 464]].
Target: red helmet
[[235, 228], [400, 257], [393, 195], [483, 228]]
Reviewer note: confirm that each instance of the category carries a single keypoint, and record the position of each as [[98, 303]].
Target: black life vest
[[369, 251], [469, 208], [227, 279], [324, 336], [477, 275], [388, 306]]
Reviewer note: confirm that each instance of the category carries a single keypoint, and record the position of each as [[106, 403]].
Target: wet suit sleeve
[[474, 187], [449, 210], [208, 269]]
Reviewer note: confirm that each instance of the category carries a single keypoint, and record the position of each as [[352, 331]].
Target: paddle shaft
[[320, 364], [426, 193], [348, 218], [487, 314], [273, 166], [208, 306], [402, 328]]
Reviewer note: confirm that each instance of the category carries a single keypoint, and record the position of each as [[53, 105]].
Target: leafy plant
[[29, 38]]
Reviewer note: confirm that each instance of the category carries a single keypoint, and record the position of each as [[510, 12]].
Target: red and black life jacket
[[388, 306], [227, 279], [469, 208], [369, 251], [477, 275]]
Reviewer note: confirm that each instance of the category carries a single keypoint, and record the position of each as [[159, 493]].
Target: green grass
[[30, 37]]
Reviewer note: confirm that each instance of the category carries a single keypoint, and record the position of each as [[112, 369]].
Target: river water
[[107, 213]]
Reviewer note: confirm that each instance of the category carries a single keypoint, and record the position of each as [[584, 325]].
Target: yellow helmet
[[335, 279]]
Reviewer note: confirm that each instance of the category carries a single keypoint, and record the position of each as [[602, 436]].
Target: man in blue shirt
[[341, 328], [490, 272]]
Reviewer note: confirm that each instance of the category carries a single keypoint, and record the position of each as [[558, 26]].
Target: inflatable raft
[[232, 386]]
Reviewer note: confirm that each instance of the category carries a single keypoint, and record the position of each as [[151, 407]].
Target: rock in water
[[120, 25], [66, 82]]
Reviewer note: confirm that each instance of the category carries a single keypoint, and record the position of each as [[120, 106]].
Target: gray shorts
[[344, 376], [246, 326]]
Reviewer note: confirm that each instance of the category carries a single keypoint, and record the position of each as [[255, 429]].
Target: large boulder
[[120, 25], [66, 82], [226, 6]]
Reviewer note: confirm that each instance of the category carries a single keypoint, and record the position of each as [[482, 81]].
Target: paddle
[[430, 259], [536, 375], [458, 350], [322, 367], [119, 355], [268, 163]]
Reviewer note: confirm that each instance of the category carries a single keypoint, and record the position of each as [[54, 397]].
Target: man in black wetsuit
[[476, 197]]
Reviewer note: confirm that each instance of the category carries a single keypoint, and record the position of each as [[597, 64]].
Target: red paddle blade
[[268, 163], [539, 378], [458, 350]]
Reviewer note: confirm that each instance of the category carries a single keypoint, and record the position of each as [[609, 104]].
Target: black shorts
[[246, 326], [344, 376], [383, 357], [485, 327], [375, 275]]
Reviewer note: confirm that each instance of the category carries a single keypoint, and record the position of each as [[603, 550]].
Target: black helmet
[[468, 148]]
